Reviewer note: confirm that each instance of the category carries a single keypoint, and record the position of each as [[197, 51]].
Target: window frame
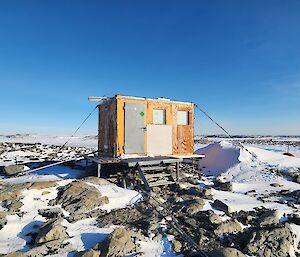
[[164, 111], [187, 123]]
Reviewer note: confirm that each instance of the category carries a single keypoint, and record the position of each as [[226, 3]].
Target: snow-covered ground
[[232, 163], [252, 170]]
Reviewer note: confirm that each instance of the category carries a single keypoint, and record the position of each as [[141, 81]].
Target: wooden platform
[[143, 161]]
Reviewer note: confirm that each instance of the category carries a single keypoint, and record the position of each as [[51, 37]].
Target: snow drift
[[238, 165]]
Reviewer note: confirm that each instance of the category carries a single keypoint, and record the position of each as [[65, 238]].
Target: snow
[[84, 234], [223, 158], [238, 165], [13, 234], [118, 197], [79, 140]]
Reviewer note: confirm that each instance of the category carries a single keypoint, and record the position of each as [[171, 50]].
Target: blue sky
[[239, 60]]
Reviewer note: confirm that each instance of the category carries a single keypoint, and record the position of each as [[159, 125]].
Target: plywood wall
[[111, 124]]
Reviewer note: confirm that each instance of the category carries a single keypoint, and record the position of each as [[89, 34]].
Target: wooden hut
[[146, 136], [137, 126]]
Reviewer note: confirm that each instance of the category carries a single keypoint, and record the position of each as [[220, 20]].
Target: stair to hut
[[156, 175]]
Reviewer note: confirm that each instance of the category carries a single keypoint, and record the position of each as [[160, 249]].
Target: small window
[[182, 118], [159, 116]]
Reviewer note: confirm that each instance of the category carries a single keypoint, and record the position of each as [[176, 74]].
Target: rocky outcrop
[[269, 218], [51, 231], [89, 253], [274, 242], [195, 206], [219, 205], [51, 213], [228, 227], [215, 219], [118, 244], [226, 252], [12, 170], [2, 219], [79, 198]]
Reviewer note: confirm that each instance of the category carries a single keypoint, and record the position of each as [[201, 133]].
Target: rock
[[9, 194], [228, 227], [103, 200], [2, 219], [226, 252], [196, 206], [42, 185], [15, 254], [79, 198], [275, 185], [118, 244], [208, 193], [176, 246], [215, 219], [219, 205], [12, 170], [51, 213], [89, 253], [269, 218], [297, 179], [294, 218], [96, 181], [271, 243], [51, 230], [13, 205], [50, 248]]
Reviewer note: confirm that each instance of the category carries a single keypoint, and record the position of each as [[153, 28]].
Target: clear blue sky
[[240, 60]]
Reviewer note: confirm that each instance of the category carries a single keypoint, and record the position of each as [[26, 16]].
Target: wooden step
[[153, 168], [157, 175], [161, 183]]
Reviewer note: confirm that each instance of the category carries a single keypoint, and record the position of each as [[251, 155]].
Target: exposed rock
[[42, 185], [8, 194], [51, 230], [228, 227], [294, 218], [269, 218], [196, 206], [79, 198], [226, 252], [176, 246], [215, 219], [96, 181], [271, 243], [297, 179], [50, 248], [224, 186], [12, 170], [51, 213], [208, 193], [219, 205], [13, 205], [118, 244], [89, 253], [2, 219], [15, 254], [275, 185]]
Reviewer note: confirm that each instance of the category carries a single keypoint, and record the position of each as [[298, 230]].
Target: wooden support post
[[99, 170], [193, 163], [142, 176], [177, 172]]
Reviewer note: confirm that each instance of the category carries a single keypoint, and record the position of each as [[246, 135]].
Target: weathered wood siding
[[107, 128]]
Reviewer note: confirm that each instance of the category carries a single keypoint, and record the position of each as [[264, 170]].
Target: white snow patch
[[118, 197]]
